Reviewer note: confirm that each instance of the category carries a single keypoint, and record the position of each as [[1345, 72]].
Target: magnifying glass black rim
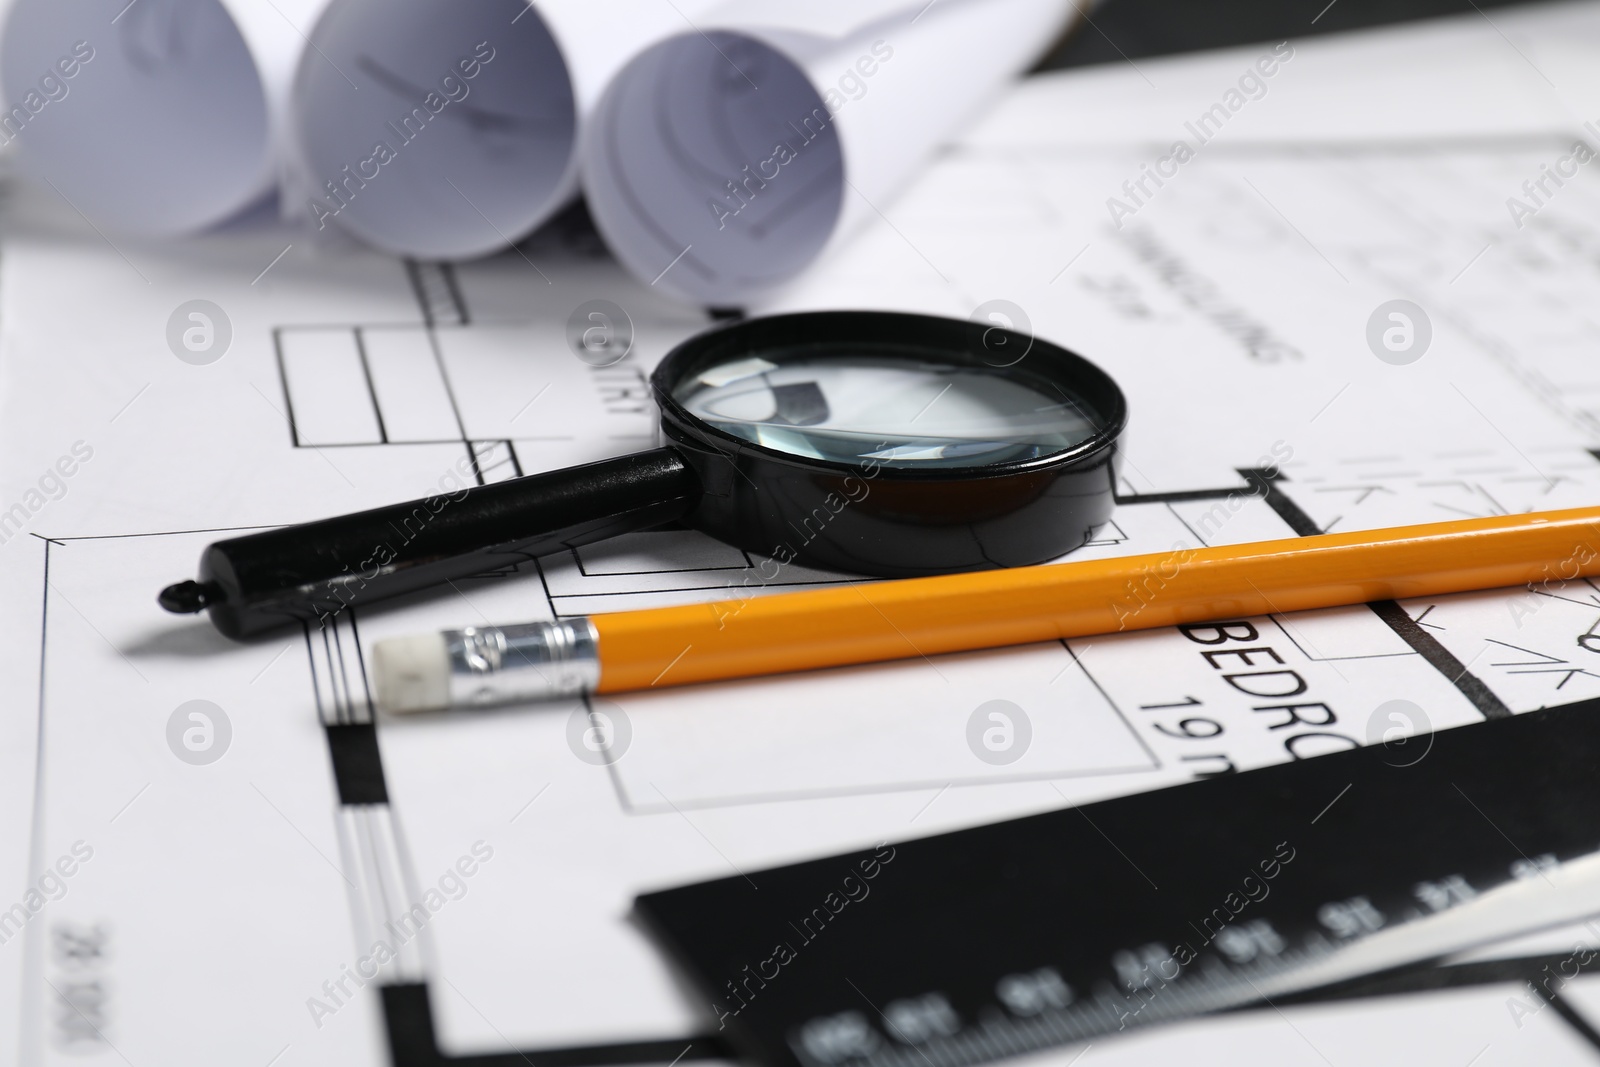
[[827, 330]]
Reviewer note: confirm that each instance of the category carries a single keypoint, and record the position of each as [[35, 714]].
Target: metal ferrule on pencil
[[528, 661], [484, 665]]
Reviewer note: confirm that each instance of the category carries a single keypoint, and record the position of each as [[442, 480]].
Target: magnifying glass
[[875, 443]]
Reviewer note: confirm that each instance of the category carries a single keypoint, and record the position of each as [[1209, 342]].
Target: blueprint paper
[[449, 130], [155, 117], [823, 788], [239, 887], [725, 161]]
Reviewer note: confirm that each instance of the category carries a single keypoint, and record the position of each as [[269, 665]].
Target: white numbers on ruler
[[1033, 991], [1243, 942], [1447, 892], [1144, 966], [1350, 918], [916, 1019], [1537, 867], [835, 1038]]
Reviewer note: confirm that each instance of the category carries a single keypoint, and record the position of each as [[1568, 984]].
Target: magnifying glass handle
[[316, 570]]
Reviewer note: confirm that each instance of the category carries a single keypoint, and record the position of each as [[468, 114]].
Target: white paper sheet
[[445, 129], [726, 161], [152, 117]]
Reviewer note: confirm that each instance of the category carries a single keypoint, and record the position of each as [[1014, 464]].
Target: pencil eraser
[[411, 673]]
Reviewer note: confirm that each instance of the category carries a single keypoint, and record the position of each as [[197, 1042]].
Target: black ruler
[[1057, 928]]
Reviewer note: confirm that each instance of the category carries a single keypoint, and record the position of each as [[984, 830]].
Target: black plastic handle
[[314, 571]]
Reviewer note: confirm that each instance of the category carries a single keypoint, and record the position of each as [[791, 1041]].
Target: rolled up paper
[[450, 128], [726, 159], [157, 116]]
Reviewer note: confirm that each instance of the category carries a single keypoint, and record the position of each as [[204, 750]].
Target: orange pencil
[[875, 621]]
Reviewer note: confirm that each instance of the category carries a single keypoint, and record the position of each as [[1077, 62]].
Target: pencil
[[760, 633]]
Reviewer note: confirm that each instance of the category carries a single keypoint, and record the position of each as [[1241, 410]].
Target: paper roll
[[449, 128], [155, 117], [723, 162]]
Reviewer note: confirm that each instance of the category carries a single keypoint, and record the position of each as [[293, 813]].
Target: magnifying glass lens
[[897, 411]]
